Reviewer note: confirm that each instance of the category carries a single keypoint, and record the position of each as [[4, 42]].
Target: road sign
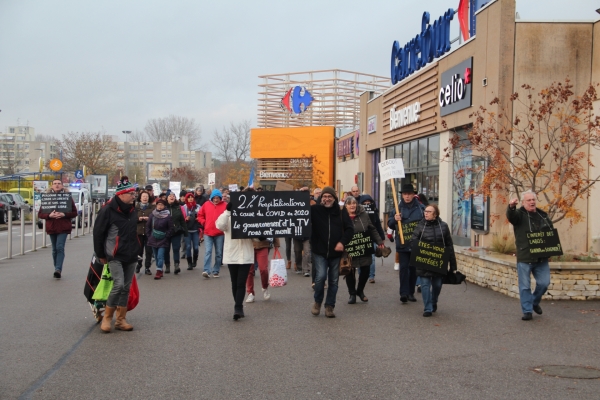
[[55, 164], [79, 174]]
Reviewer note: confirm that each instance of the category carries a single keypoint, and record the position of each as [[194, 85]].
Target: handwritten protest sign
[[429, 257], [360, 245], [408, 229], [391, 169], [60, 202], [544, 244], [270, 214]]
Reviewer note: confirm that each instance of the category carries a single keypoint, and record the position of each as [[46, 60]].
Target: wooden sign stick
[[397, 211]]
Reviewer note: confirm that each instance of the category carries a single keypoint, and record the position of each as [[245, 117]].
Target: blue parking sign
[[79, 174]]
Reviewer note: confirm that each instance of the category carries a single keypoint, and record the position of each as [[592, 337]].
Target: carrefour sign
[[432, 42]]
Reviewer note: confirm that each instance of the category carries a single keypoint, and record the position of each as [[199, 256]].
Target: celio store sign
[[455, 92]]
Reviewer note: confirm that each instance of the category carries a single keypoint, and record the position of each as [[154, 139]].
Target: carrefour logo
[[296, 100]]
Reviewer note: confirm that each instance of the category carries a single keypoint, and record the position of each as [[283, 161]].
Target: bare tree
[[44, 138], [137, 136], [173, 129], [233, 144], [95, 150]]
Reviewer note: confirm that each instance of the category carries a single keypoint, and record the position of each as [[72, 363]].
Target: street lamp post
[[124, 149]]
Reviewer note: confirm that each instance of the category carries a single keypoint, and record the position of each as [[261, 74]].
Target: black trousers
[[144, 245], [408, 275], [363, 277], [238, 274]]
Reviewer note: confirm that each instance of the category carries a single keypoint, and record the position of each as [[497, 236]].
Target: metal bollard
[[22, 234], [9, 233], [44, 235], [83, 221], [77, 226], [33, 233]]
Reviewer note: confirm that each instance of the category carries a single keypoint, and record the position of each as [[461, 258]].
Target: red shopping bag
[[134, 295]]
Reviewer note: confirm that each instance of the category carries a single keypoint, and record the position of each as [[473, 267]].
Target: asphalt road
[[185, 344]]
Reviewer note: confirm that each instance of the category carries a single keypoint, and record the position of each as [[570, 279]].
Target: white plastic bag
[[277, 271]]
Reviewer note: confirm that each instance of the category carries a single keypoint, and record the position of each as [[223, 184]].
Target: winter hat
[[216, 193], [183, 193], [187, 200], [124, 186], [163, 202], [329, 190], [149, 187]]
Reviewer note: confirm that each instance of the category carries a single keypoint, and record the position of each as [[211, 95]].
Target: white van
[[83, 200]]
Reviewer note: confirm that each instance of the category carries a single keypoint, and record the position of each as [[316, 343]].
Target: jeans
[[261, 257], [58, 249], [430, 290], [326, 269], [408, 275], [541, 274], [122, 275], [159, 256], [191, 242], [176, 244], [217, 241], [238, 274], [184, 245]]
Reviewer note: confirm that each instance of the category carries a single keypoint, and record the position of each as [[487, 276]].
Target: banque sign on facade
[[432, 42]]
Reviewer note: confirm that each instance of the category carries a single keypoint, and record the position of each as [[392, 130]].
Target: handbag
[[158, 235], [454, 278], [277, 271], [345, 263], [105, 286], [134, 295]]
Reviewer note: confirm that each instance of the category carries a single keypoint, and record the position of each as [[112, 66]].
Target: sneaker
[[299, 272], [329, 312], [159, 274], [215, 275], [372, 280], [527, 317], [148, 272], [250, 298], [396, 266], [537, 309], [206, 275], [266, 294], [57, 273], [306, 274]]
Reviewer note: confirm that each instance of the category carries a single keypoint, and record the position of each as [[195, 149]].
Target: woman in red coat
[[58, 226]]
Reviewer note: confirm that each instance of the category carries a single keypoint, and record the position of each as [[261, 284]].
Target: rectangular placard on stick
[[544, 244], [270, 214], [429, 257], [360, 245], [60, 202]]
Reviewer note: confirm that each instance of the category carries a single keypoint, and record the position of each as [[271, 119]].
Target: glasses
[[327, 196], [429, 211]]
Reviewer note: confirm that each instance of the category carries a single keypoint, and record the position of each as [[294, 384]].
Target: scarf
[[161, 214], [125, 208]]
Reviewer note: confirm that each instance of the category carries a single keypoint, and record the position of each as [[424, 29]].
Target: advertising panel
[[158, 171]]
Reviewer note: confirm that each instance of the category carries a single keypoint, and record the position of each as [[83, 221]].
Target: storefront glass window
[[434, 150], [423, 152], [405, 155], [414, 154]]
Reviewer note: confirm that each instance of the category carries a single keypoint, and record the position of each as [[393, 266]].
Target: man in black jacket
[[116, 243], [526, 220], [331, 231]]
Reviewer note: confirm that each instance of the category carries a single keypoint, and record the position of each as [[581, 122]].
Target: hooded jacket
[[411, 212], [434, 232], [235, 251], [207, 217], [115, 232], [525, 222], [362, 223], [328, 229]]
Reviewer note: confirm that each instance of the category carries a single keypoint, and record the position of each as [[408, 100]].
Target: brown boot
[[328, 312], [107, 319], [289, 265], [121, 323], [316, 309]]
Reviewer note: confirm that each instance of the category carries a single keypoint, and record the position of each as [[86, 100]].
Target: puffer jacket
[[141, 225], [163, 225], [411, 214], [209, 212], [179, 225], [115, 233], [235, 251], [525, 222], [434, 232], [362, 223]]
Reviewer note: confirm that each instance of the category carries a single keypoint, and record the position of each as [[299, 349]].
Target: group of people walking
[[125, 229]]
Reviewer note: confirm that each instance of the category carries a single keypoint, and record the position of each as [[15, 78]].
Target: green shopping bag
[[104, 286]]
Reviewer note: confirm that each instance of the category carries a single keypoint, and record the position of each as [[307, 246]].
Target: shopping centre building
[[502, 54]]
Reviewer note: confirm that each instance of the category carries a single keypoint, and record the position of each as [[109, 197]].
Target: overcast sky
[[83, 65]]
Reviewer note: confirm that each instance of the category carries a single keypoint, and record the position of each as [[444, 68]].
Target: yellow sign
[[55, 164]]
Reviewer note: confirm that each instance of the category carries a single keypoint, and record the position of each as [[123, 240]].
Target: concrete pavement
[[186, 345]]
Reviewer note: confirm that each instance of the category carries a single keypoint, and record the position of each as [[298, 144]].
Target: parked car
[[7, 203], [21, 202], [26, 194]]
